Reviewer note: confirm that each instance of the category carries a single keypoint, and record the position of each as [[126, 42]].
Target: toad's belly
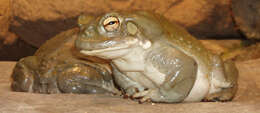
[[200, 88]]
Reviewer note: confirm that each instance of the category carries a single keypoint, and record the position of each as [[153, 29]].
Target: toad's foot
[[148, 95], [130, 91], [227, 94]]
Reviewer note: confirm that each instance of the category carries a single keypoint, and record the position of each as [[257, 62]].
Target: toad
[[156, 60]]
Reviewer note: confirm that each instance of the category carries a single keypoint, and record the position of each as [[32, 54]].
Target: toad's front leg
[[126, 84], [174, 89], [177, 92]]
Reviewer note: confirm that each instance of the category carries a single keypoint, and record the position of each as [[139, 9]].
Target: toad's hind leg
[[84, 78], [224, 82], [29, 76], [23, 74]]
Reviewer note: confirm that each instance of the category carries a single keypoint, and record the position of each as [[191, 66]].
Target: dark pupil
[[112, 22]]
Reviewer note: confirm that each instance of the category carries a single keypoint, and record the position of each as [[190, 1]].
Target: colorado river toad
[[57, 68], [156, 60]]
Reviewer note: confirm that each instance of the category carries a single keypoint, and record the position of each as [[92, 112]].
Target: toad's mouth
[[94, 52], [92, 47]]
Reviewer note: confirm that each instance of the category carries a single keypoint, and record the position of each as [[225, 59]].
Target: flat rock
[[247, 99], [5, 16], [6, 37], [246, 14], [11, 48]]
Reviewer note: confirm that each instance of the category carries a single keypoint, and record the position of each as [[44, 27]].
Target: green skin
[[57, 68], [156, 60]]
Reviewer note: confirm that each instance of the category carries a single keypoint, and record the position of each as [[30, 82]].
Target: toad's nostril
[[90, 31], [87, 33], [91, 27]]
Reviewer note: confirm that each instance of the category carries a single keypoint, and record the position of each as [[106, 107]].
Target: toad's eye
[[111, 23]]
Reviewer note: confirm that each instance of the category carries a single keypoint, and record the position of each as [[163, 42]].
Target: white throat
[[132, 62]]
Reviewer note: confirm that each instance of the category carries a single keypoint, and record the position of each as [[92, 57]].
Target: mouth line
[[118, 47], [92, 52], [87, 39]]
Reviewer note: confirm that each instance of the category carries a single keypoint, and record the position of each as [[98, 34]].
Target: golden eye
[[111, 23]]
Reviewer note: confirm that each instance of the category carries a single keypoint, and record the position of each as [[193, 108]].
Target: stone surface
[[246, 14], [11, 48], [247, 99], [5, 18], [38, 20], [16, 50]]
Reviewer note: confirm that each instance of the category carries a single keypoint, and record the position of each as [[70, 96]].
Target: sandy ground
[[247, 99]]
